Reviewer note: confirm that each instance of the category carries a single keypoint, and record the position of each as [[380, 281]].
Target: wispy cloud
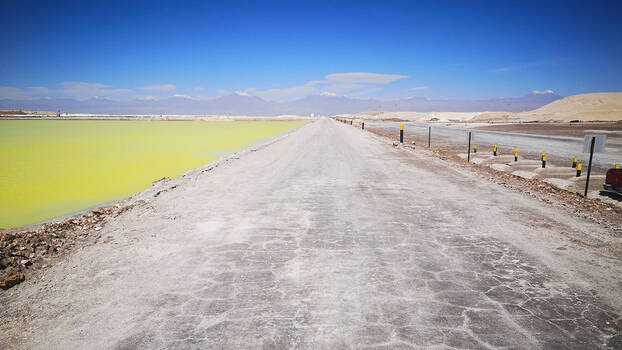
[[187, 97], [84, 90], [12, 93], [364, 78], [163, 87], [503, 69], [73, 89], [78, 90], [418, 88], [520, 66], [351, 83], [284, 94], [147, 98], [544, 92]]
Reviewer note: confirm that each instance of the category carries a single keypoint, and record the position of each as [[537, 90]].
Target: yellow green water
[[51, 168]]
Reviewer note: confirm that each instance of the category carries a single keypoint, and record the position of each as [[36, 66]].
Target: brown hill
[[586, 107]]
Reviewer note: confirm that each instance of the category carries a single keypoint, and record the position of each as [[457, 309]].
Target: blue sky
[[286, 50]]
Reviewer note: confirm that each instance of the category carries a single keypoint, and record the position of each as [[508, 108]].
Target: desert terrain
[[329, 237], [606, 107]]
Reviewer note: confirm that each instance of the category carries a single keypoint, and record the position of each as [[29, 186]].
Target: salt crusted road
[[326, 238]]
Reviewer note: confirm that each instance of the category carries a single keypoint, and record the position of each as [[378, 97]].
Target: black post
[[429, 134], [363, 125], [589, 166], [469, 149]]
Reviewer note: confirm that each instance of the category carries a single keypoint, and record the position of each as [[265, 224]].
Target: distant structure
[[58, 113]]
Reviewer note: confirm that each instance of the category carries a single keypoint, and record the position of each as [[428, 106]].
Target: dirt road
[[327, 238]]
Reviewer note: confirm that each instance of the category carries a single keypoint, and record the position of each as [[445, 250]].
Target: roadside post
[[595, 143], [401, 133], [574, 162], [469, 149], [494, 150], [363, 124], [429, 135], [516, 154], [474, 148], [543, 156], [543, 160], [579, 166]]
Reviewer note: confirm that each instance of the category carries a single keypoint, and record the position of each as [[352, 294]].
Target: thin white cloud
[[502, 69], [418, 88], [536, 92], [349, 83], [358, 84], [183, 96], [12, 93], [78, 90], [163, 87], [284, 94], [147, 98], [364, 78], [522, 66]]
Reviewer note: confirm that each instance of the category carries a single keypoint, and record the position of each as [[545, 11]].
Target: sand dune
[[585, 107]]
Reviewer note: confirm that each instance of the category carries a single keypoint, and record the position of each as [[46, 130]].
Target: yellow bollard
[[617, 166], [543, 156], [574, 162], [474, 148], [578, 169], [494, 150], [516, 154], [543, 160]]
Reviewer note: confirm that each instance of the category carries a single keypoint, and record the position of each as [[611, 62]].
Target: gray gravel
[[327, 238], [561, 147]]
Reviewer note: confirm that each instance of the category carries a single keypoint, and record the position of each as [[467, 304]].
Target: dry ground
[[330, 238]]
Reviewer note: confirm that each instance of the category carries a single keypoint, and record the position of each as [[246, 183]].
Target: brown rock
[[11, 280]]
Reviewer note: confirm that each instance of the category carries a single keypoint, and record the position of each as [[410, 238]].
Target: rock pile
[[25, 249]]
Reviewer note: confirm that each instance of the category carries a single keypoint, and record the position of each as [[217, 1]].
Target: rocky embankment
[[23, 250]]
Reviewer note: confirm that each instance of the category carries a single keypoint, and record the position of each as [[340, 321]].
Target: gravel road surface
[[327, 238]]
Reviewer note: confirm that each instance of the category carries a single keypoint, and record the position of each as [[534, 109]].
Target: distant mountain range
[[237, 104]]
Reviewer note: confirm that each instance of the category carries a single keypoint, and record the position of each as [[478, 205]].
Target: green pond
[[51, 168]]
